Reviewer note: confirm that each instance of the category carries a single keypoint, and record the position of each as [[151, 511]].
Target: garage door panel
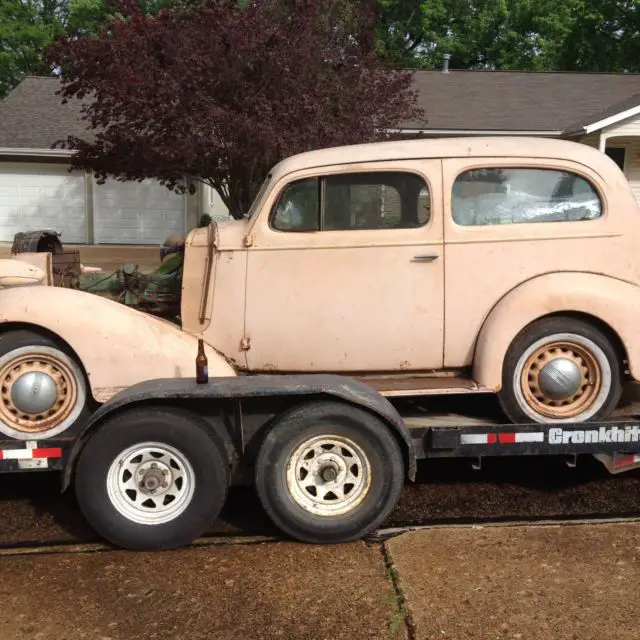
[[36, 196], [136, 212]]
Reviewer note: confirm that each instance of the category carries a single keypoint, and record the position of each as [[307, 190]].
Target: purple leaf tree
[[221, 91]]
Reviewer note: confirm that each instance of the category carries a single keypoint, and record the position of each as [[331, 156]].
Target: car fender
[[612, 301], [266, 386], [117, 346]]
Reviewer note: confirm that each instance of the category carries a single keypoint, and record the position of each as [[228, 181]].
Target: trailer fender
[[171, 389]]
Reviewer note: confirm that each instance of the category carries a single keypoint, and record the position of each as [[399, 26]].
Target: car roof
[[448, 147]]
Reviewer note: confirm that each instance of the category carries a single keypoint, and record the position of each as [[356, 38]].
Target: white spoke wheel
[[329, 472], [152, 479], [328, 475], [561, 370], [43, 390], [151, 483]]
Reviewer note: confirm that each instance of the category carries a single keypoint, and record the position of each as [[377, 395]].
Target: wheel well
[[596, 323], [8, 327]]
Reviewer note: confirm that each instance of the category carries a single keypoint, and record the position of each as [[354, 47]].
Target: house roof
[[518, 101], [463, 101], [32, 116]]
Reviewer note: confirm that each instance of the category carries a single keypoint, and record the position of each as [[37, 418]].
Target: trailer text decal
[[603, 434], [557, 435]]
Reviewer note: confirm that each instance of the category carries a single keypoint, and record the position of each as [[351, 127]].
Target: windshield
[[255, 204]]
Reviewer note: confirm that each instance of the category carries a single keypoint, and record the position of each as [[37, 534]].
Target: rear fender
[[117, 346], [259, 386], [615, 303]]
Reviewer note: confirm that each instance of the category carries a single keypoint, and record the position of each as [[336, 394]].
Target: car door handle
[[425, 257]]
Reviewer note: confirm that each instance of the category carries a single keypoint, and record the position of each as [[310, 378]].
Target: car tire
[[560, 369], [43, 388], [151, 479], [344, 455]]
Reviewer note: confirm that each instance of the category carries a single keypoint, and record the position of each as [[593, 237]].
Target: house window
[[517, 195], [617, 154], [343, 202]]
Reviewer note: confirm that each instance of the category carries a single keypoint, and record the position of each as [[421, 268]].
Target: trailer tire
[[151, 479], [584, 379], [328, 472]]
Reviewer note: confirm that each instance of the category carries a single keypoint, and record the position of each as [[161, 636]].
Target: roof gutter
[[476, 132], [577, 131], [39, 153]]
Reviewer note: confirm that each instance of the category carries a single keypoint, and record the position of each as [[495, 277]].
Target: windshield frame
[[255, 205]]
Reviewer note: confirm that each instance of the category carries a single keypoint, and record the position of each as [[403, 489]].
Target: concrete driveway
[[531, 582]]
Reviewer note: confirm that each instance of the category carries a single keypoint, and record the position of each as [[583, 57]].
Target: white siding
[[632, 168], [592, 140], [629, 127], [34, 196], [213, 203], [136, 212], [627, 133]]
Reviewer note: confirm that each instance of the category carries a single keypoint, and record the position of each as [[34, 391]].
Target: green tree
[[26, 29], [563, 35]]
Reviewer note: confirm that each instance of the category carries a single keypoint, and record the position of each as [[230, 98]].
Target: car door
[[345, 271], [508, 220]]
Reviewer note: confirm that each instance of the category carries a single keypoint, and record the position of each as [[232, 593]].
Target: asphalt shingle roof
[[32, 115], [518, 100]]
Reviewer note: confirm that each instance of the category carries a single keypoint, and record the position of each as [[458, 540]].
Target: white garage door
[[36, 196], [136, 212]]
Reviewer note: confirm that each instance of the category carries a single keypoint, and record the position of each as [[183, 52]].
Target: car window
[[363, 200], [518, 195], [298, 208]]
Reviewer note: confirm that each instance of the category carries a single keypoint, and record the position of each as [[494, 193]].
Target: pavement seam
[[401, 601], [71, 548], [381, 535]]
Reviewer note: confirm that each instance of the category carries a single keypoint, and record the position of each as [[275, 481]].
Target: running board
[[416, 385]]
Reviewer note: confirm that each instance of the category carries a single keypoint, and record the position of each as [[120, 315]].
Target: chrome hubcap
[[41, 391], [560, 379], [34, 392]]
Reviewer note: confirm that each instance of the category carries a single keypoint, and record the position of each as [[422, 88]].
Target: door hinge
[[248, 240], [245, 344]]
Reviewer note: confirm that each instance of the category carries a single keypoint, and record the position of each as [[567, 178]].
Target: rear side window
[[363, 200], [516, 195]]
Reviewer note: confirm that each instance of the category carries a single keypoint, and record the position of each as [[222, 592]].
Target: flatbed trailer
[[328, 454]]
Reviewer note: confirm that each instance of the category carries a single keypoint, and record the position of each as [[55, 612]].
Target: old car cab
[[437, 266]]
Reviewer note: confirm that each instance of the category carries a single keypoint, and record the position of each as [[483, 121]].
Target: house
[[38, 191]]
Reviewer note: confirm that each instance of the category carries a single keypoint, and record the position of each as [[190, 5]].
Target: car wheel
[[151, 479], [43, 389], [560, 369], [329, 472]]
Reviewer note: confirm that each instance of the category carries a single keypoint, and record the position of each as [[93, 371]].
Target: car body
[[454, 265]]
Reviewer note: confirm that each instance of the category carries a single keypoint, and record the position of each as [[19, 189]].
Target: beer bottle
[[202, 371]]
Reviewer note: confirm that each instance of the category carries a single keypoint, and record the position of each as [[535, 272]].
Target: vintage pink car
[[447, 266]]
